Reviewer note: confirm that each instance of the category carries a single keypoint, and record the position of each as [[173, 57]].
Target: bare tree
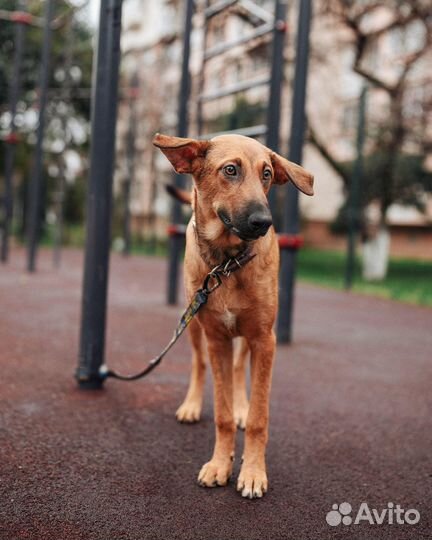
[[403, 129]]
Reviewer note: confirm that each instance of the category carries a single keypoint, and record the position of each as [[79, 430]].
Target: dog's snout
[[260, 221], [254, 221]]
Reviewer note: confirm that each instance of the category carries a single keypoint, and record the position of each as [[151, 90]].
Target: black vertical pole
[[126, 218], [61, 188], [353, 200], [291, 211], [99, 195], [60, 197], [35, 188], [176, 241], [11, 141], [201, 76], [130, 160], [274, 104]]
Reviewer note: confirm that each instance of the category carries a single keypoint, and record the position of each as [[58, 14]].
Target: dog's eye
[[230, 170], [267, 174]]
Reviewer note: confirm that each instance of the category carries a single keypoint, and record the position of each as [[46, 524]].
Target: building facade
[[152, 51]]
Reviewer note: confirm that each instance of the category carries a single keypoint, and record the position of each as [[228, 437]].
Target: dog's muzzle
[[252, 223]]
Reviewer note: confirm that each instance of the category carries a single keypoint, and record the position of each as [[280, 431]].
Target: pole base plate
[[89, 381]]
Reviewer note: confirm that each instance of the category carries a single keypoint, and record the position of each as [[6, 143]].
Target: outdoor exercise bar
[[99, 195], [35, 188], [275, 23], [176, 241], [21, 20], [289, 240], [132, 95], [274, 100]]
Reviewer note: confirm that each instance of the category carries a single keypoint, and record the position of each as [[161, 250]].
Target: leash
[[212, 281]]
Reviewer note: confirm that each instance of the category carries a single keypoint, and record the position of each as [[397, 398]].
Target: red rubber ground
[[351, 418]]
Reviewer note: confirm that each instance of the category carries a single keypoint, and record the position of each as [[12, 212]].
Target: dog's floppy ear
[[285, 170], [181, 152]]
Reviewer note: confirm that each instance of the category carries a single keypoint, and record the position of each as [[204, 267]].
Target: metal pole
[[126, 218], [130, 160], [201, 76], [353, 200], [176, 241], [11, 141], [291, 211], [35, 189], [99, 196], [273, 111], [60, 196]]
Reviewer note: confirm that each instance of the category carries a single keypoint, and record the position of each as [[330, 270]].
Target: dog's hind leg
[[241, 403], [190, 410]]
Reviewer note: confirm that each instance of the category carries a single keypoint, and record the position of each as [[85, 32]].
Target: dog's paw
[[241, 411], [252, 482], [215, 473], [189, 412]]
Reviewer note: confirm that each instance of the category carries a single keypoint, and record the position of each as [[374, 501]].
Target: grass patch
[[74, 236], [408, 280], [158, 248]]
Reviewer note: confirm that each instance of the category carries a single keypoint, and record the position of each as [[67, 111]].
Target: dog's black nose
[[260, 221]]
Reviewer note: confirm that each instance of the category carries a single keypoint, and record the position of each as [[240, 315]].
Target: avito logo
[[389, 515]]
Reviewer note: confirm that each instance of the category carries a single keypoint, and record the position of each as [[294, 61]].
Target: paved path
[[351, 418]]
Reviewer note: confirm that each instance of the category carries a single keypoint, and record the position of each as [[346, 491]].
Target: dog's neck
[[214, 250]]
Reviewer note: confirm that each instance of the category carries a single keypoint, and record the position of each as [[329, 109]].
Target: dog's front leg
[[241, 403], [252, 481], [218, 470]]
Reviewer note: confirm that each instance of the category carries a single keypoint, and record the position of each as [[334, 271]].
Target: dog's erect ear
[[182, 153], [285, 170]]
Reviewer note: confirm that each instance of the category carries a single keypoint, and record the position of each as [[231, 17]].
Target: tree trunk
[[376, 255], [376, 243]]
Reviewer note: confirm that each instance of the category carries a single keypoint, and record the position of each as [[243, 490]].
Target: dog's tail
[[179, 194]]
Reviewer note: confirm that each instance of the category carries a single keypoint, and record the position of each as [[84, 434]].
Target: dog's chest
[[230, 303], [228, 319]]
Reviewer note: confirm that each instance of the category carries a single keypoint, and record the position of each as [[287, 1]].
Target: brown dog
[[232, 176]]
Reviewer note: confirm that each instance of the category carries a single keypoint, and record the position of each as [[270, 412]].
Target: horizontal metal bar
[[257, 11], [223, 47], [251, 131], [218, 7], [21, 17], [234, 89]]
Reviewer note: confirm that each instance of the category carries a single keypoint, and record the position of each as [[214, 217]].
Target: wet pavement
[[350, 418]]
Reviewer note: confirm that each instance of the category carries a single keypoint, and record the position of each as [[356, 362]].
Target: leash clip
[[212, 276]]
